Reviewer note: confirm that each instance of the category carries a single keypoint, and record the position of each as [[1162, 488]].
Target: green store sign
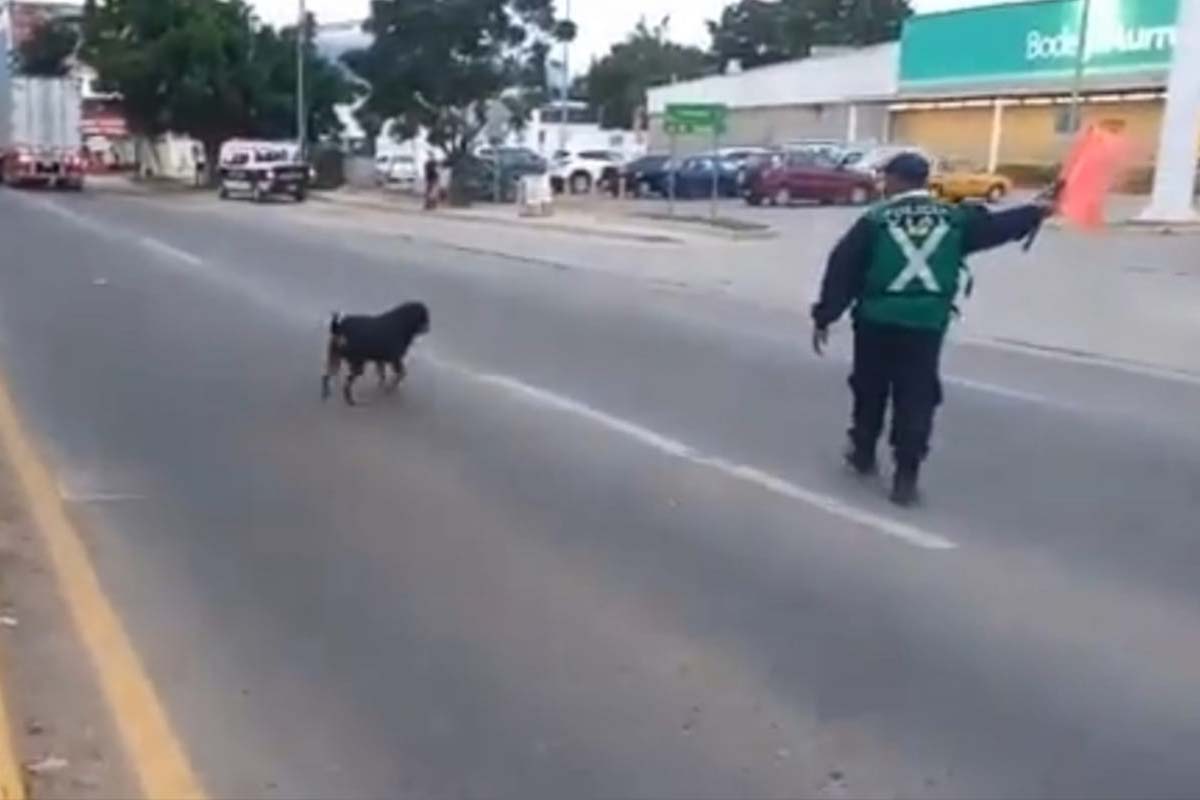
[[1037, 40]]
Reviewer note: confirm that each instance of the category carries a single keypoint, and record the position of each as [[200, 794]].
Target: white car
[[393, 169], [579, 172]]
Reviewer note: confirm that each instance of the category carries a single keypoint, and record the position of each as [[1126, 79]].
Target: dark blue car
[[696, 174], [647, 176]]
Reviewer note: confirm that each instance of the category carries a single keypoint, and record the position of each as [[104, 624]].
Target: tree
[[326, 85], [858, 23], [206, 68], [759, 32], [433, 65], [616, 84], [48, 51]]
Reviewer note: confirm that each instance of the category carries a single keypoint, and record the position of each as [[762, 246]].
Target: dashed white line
[[904, 532], [162, 248], [1006, 392], [98, 498]]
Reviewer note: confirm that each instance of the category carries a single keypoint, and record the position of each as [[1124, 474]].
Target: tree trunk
[[212, 157], [461, 189]]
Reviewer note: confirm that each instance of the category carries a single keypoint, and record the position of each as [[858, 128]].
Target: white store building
[[837, 93]]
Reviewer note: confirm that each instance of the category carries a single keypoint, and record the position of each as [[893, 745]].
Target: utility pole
[[566, 86], [301, 103], [1080, 63]]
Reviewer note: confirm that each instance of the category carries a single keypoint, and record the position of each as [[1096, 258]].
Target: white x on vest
[[918, 268]]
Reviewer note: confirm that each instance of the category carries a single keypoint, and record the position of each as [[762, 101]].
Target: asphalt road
[[600, 544]]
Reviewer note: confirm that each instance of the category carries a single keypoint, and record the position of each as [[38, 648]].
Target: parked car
[[393, 169], [696, 176], [646, 176], [518, 159], [960, 179], [261, 169], [745, 158], [829, 149], [579, 172], [477, 173], [807, 175], [872, 160]]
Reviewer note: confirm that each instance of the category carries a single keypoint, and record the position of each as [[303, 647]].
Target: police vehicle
[[260, 169]]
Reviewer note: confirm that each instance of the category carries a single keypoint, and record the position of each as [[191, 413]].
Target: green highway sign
[[1037, 40], [685, 118]]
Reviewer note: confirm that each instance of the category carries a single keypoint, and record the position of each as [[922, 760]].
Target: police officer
[[901, 267]]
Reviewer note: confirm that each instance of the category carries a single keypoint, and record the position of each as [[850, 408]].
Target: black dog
[[382, 340]]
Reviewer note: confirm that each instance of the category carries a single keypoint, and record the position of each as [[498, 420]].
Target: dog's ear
[[335, 324]]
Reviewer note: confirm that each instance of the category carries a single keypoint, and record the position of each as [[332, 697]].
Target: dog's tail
[[335, 324]]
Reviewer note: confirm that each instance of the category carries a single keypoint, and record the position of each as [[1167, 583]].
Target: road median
[[508, 216]]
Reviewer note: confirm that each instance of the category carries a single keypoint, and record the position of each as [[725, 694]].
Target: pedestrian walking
[[902, 266], [432, 184]]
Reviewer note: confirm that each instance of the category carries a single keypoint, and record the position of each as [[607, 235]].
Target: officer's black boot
[[904, 483], [861, 459]]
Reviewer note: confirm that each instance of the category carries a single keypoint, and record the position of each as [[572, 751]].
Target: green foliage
[[616, 84], [759, 32], [47, 53], [206, 68], [434, 65]]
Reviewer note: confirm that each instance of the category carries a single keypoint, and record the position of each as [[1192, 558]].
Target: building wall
[[868, 72], [950, 132], [1142, 125], [1032, 134], [776, 125], [1035, 134], [802, 99]]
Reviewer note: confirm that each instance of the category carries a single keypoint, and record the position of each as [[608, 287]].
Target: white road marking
[[1006, 392], [1098, 361], [83, 221], [162, 248], [904, 532], [90, 498]]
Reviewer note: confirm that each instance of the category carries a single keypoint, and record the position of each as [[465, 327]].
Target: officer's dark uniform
[[901, 268]]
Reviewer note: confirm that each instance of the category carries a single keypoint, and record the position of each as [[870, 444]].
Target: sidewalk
[[1119, 295], [596, 217]]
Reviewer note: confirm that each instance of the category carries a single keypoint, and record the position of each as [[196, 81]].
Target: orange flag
[[1091, 170]]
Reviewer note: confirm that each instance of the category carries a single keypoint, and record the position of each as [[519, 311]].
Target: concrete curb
[[117, 184], [705, 227], [1133, 226], [466, 216], [1160, 228]]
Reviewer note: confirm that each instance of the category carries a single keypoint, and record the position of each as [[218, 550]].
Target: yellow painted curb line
[[154, 752], [11, 785]]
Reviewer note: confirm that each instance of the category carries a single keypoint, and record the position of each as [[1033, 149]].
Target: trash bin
[[534, 196]]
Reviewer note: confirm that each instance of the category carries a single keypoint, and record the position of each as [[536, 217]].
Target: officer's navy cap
[[909, 167]]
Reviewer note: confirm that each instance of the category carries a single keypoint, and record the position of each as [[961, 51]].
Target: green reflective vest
[[917, 259]]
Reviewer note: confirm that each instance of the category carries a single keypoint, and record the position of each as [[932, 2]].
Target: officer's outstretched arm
[[984, 229], [844, 274]]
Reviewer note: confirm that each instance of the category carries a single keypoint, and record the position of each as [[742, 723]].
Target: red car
[[808, 176]]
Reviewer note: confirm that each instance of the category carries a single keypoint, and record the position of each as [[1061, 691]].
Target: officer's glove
[[820, 338]]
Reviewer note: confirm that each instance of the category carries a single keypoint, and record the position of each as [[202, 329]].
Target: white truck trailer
[[40, 138]]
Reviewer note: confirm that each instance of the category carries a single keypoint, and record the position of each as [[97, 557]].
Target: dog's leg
[[333, 366], [381, 371], [356, 370], [399, 374]]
